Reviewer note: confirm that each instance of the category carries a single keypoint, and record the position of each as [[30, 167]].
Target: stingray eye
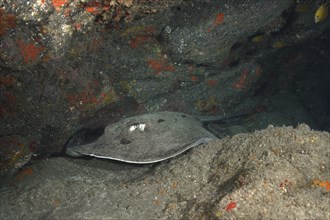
[[135, 126]]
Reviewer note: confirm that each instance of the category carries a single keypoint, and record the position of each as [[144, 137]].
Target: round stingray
[[147, 138]]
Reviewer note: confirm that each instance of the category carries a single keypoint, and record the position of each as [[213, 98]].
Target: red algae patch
[[29, 51]]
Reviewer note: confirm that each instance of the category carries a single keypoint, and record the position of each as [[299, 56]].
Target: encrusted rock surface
[[69, 64]]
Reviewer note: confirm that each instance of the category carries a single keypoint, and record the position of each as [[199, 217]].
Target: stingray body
[[143, 139]]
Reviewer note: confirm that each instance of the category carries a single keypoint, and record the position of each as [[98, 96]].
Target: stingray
[[142, 139]]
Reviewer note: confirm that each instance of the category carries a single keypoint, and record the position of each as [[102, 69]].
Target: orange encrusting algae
[[93, 10], [325, 184], [241, 83], [217, 21], [138, 40], [86, 100], [212, 82], [159, 66], [29, 51], [94, 7], [7, 80], [22, 174], [58, 4], [194, 78], [230, 206], [7, 21]]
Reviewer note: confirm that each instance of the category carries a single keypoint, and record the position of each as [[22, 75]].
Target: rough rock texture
[[70, 64], [279, 173]]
